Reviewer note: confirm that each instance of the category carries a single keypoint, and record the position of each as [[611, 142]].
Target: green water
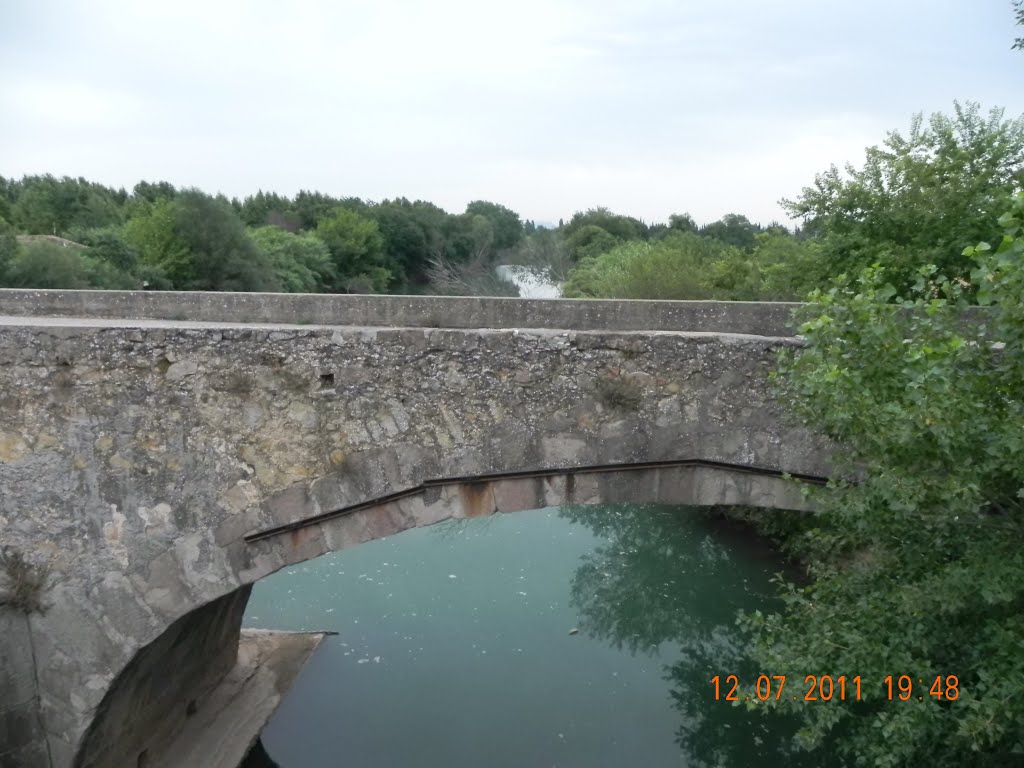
[[456, 644]]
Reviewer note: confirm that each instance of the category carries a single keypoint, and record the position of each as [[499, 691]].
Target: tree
[[199, 243], [269, 208], [302, 263], [8, 196], [46, 205], [590, 241], [679, 266], [313, 207], [47, 265], [505, 223], [733, 229], [682, 222], [8, 246], [622, 227], [915, 552], [150, 192], [406, 239], [790, 267], [223, 255], [44, 264], [357, 252], [1018, 12], [918, 198], [107, 244], [153, 234]]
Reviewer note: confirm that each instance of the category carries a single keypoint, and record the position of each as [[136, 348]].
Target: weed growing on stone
[[26, 581], [619, 393]]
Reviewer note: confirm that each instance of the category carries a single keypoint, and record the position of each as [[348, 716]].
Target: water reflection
[[674, 578], [455, 645]]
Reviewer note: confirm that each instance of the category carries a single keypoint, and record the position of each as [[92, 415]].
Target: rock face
[[135, 458]]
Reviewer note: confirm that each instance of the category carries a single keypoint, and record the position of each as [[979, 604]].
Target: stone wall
[[138, 459], [22, 741], [165, 684]]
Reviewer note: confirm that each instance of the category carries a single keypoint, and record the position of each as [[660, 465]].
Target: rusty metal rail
[[553, 472]]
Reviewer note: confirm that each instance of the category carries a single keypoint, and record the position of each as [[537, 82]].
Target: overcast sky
[[648, 107]]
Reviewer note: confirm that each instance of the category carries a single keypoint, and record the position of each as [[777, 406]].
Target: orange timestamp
[[836, 688]]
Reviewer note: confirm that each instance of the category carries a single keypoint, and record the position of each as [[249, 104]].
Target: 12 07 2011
[[773, 687]]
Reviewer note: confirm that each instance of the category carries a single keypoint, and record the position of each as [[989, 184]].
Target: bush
[[916, 552]]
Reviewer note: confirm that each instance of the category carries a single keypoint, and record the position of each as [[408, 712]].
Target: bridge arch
[[202, 646]]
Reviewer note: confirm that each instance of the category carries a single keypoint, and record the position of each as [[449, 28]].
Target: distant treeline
[[917, 201], [161, 237]]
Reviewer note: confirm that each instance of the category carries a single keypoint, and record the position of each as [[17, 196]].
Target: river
[[575, 636], [532, 282]]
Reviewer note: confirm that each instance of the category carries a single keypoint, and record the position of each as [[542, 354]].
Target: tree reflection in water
[[670, 581]]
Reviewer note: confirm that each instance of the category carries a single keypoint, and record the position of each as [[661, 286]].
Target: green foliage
[[469, 237], [732, 229], [222, 255], [199, 243], [169, 239], [915, 552], [310, 208], [590, 241], [8, 246], [1018, 12], [680, 266], [412, 236], [150, 192], [622, 227], [357, 252], [682, 222], [269, 208], [918, 198], [505, 223], [107, 244], [789, 267], [46, 205], [47, 265], [302, 263], [152, 233]]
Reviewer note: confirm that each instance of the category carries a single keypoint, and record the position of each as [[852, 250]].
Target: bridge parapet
[[756, 318]]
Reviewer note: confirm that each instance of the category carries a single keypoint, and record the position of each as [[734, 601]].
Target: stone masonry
[[137, 456]]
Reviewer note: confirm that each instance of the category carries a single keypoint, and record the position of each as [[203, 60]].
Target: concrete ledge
[[691, 483], [755, 318]]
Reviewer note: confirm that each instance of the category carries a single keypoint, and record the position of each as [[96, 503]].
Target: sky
[[648, 107]]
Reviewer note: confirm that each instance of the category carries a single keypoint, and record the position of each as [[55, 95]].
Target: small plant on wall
[[620, 392], [26, 581]]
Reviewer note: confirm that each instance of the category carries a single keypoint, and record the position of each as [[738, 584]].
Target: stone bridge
[[160, 452]]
